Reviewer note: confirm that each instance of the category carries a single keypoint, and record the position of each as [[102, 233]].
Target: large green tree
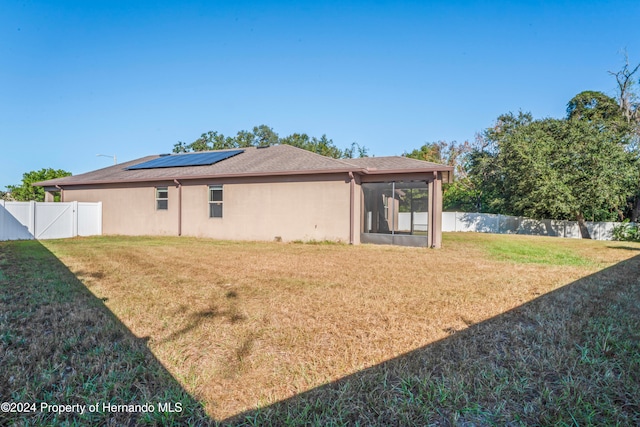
[[582, 167], [27, 192], [263, 135]]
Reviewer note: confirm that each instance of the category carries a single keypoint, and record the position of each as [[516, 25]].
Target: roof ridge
[[311, 152], [206, 151]]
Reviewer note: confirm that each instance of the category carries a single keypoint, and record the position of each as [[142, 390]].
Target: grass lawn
[[489, 330]]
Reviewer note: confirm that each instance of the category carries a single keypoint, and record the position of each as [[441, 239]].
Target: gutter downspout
[[352, 184], [436, 212], [179, 206], [61, 193]]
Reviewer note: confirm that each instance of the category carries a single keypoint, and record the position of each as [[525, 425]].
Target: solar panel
[[181, 160]]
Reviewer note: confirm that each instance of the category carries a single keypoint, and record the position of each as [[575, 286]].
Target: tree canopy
[[594, 106], [461, 194], [262, 136], [27, 192], [581, 167]]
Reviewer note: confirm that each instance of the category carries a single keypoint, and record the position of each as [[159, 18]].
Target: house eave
[[363, 171], [447, 169]]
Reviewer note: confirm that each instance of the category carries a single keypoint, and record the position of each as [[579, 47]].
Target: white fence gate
[[37, 220]]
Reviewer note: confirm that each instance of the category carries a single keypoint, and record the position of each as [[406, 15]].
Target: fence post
[[100, 217], [74, 207], [32, 219]]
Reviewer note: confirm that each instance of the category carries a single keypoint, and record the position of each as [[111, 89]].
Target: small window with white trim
[[215, 201], [162, 198]]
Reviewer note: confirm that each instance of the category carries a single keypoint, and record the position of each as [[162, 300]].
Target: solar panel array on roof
[[181, 160]]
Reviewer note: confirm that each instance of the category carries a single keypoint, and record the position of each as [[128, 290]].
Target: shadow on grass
[[570, 357], [628, 248], [196, 319], [60, 345]]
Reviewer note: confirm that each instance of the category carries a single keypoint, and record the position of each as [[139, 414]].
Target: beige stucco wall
[[263, 210], [292, 208], [131, 210]]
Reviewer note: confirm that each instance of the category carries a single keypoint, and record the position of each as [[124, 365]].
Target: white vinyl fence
[[37, 220], [419, 221], [503, 224]]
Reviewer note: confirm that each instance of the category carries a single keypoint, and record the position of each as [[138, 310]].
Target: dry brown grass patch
[[247, 324]]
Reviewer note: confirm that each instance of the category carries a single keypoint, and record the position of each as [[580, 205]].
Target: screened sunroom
[[395, 212]]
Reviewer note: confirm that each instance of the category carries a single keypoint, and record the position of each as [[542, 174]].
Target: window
[[162, 198], [215, 201]]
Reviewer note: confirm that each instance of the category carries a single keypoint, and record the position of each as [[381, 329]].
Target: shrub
[[627, 231]]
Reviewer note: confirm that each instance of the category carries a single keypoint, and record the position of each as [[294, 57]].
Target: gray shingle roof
[[274, 160], [394, 162]]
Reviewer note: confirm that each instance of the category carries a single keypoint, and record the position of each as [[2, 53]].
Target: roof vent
[[165, 155], [262, 146]]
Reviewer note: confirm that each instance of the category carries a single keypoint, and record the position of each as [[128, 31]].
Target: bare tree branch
[[627, 98]]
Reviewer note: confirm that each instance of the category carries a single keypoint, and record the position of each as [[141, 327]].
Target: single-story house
[[267, 193]]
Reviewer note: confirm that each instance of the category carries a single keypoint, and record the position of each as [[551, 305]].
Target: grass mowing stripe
[[520, 249], [535, 253]]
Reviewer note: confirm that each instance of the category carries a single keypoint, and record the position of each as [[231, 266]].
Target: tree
[[356, 150], [244, 139], [300, 140], [487, 163], [595, 106], [207, 141], [627, 96], [600, 170], [629, 102], [26, 191], [325, 147], [262, 136], [580, 167], [462, 193], [446, 153], [429, 152]]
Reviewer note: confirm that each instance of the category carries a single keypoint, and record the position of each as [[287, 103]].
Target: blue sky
[[132, 78]]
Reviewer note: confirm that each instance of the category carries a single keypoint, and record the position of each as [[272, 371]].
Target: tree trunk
[[635, 210], [584, 231]]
